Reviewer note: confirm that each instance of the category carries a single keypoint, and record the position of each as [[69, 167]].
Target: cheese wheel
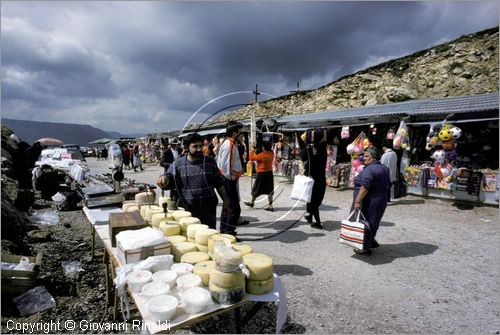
[[192, 228], [127, 204], [133, 209], [151, 211], [202, 235], [181, 248], [259, 265], [259, 287], [156, 218], [227, 279], [169, 229], [180, 208], [226, 296], [145, 209], [184, 233], [163, 200], [144, 198], [176, 238], [194, 257], [202, 247], [181, 214], [187, 221], [203, 270], [243, 249], [219, 237], [191, 239]]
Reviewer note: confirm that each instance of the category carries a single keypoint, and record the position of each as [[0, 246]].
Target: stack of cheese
[[191, 230], [184, 219], [202, 236], [219, 237], [149, 211], [227, 281], [260, 267], [158, 217]]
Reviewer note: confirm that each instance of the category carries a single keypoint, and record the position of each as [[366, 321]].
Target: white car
[[63, 158]]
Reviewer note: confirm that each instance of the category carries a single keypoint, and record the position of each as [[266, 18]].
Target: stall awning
[[377, 113]]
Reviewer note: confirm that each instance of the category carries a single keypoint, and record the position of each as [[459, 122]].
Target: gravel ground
[[435, 272]]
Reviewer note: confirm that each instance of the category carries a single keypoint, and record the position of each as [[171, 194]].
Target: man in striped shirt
[[195, 176]]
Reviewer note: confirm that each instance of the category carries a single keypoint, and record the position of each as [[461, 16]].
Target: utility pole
[[297, 90], [256, 92]]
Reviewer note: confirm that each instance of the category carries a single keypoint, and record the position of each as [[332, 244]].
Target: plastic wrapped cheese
[[192, 228], [226, 296], [219, 237], [203, 269], [155, 288], [202, 235], [166, 276], [196, 300], [226, 258], [137, 279], [187, 281], [162, 307], [259, 265], [182, 268], [194, 257]]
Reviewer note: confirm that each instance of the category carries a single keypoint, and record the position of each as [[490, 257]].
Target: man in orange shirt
[[264, 182]]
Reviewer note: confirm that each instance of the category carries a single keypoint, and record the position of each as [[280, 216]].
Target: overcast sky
[[138, 67]]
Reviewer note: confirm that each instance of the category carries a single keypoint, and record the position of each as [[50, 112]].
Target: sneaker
[[375, 244], [248, 203], [243, 223], [270, 209]]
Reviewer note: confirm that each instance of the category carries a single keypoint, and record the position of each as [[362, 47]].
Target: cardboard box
[[124, 221], [136, 255]]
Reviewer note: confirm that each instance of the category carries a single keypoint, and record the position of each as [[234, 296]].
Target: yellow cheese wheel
[[243, 249], [176, 238], [149, 210], [226, 296], [144, 198], [202, 247], [192, 228], [202, 235], [203, 270], [219, 237], [259, 265], [227, 279], [191, 239], [133, 209], [184, 233], [181, 214], [181, 248], [180, 209], [169, 229], [259, 287], [156, 218], [187, 221], [153, 211], [194, 257]]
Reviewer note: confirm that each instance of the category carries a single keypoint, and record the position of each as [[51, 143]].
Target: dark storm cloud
[[146, 66]]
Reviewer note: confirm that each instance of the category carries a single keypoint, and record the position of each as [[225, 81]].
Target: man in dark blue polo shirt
[[195, 176]]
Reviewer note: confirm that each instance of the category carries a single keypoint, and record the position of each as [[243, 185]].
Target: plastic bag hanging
[[345, 134], [401, 140]]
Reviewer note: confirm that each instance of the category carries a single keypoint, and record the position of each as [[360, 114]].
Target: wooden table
[[99, 221]]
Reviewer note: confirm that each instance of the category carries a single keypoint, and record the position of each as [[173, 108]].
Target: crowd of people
[[199, 169]]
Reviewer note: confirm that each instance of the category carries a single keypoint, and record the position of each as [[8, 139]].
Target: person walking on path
[[264, 182], [314, 158], [169, 155], [390, 159], [137, 162], [126, 156], [370, 196], [229, 164], [195, 177]]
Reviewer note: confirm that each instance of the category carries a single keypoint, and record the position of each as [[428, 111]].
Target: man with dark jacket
[[168, 156]]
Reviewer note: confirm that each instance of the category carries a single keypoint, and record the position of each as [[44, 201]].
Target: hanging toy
[[448, 145], [439, 156], [344, 134], [390, 134], [355, 163], [445, 134], [456, 132], [354, 156], [401, 137], [373, 129], [451, 155], [437, 171], [350, 149]]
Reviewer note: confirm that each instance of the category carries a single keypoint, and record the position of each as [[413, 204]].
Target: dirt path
[[435, 272]]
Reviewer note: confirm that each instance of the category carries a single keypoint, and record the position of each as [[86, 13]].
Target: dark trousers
[[229, 219], [205, 210]]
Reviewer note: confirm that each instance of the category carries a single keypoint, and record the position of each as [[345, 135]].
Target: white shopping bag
[[302, 188]]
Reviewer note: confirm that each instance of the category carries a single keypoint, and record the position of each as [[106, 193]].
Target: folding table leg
[[107, 275], [237, 320]]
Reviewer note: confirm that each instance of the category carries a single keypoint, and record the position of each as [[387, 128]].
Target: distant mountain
[[80, 134]]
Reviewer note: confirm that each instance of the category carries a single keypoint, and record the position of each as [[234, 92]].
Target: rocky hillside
[[465, 66]]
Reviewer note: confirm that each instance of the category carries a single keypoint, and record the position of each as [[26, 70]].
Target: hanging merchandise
[[373, 129], [360, 143], [344, 134], [390, 134], [401, 140]]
